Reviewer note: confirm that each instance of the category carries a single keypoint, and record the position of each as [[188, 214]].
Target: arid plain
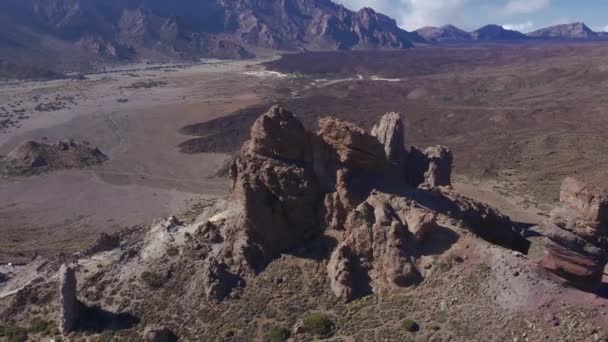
[[518, 117]]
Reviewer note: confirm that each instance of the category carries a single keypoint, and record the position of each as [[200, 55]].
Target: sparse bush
[[410, 325], [14, 334], [173, 251], [278, 334], [152, 279], [38, 325], [318, 324]]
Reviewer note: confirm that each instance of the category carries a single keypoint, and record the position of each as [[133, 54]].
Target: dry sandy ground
[[136, 125]]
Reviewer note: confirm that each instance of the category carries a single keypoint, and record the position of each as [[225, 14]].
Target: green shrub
[[152, 279], [278, 334], [318, 324], [38, 325], [410, 325], [14, 334]]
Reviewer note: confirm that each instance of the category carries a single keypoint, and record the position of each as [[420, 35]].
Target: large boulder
[[439, 172], [69, 308]]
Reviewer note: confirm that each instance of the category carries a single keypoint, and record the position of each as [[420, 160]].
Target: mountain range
[[452, 34], [84, 35]]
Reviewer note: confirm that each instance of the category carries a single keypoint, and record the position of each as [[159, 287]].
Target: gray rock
[[69, 305]]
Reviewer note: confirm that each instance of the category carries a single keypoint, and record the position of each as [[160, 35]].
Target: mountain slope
[[565, 31], [447, 33], [497, 33], [74, 34]]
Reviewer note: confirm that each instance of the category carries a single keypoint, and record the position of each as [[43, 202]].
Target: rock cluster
[[575, 235], [294, 184], [69, 304], [34, 157]]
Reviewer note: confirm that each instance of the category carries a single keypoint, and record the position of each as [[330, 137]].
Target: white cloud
[[419, 13], [525, 6], [605, 28], [414, 14], [521, 27]]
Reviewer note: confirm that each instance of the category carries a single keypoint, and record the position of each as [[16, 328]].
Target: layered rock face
[[575, 235], [293, 185]]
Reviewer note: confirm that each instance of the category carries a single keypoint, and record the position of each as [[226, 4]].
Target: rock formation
[[69, 304], [293, 185], [34, 157], [575, 234], [275, 181]]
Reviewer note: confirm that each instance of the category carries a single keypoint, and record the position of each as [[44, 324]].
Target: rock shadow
[[436, 242], [317, 249], [96, 319]]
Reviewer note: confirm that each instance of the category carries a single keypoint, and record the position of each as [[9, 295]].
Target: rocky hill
[[84, 33], [565, 31], [444, 34], [497, 33], [337, 233]]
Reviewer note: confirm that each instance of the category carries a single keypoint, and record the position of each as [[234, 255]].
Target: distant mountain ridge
[[452, 34], [67, 32], [85, 35]]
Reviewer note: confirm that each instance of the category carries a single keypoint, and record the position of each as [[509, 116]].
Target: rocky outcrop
[[293, 185], [34, 157], [390, 132], [275, 182], [575, 235], [69, 304], [376, 254]]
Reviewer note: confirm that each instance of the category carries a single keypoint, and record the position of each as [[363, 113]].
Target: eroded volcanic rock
[[294, 185], [575, 235], [33, 157], [276, 183]]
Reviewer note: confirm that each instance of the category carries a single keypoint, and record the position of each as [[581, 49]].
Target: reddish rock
[[571, 257], [574, 234]]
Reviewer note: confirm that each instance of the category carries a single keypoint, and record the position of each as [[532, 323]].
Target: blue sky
[[522, 15]]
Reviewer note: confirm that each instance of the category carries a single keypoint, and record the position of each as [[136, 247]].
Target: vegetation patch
[[318, 324], [278, 334], [410, 325]]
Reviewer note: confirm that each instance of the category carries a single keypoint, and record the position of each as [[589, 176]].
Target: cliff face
[[94, 31]]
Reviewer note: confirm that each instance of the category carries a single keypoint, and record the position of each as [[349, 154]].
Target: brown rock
[[352, 145], [280, 195], [69, 304], [439, 172], [279, 134], [373, 256], [31, 157], [583, 209], [571, 257], [218, 281], [389, 131]]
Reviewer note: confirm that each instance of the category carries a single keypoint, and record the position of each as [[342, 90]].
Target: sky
[[521, 15]]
